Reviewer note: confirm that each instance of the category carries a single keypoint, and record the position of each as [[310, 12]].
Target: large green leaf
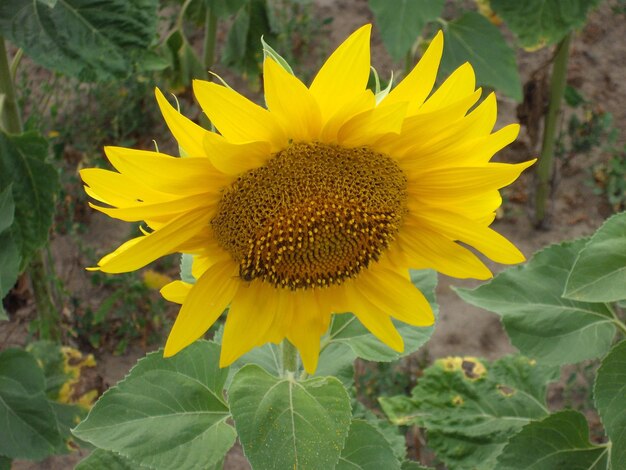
[[9, 254], [101, 459], [366, 448], [610, 395], [283, 423], [28, 427], [471, 408], [243, 51], [88, 39], [541, 22], [268, 357], [559, 441], [35, 185], [599, 272], [348, 330], [472, 38], [539, 322], [390, 432], [401, 22], [337, 360], [167, 413]]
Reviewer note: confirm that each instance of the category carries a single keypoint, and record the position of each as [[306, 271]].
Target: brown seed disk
[[314, 215]]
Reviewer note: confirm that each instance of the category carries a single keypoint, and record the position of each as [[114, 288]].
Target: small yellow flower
[[318, 204]]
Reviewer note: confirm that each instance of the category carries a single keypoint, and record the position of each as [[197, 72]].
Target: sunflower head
[[318, 204]]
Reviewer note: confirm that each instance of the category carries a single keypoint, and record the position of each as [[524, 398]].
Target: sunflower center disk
[[314, 215]]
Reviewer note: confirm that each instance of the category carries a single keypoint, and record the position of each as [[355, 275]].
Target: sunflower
[[318, 204]]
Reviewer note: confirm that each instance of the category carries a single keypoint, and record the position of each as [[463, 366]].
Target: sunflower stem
[[10, 119], [40, 274], [290, 357], [210, 39], [545, 167]]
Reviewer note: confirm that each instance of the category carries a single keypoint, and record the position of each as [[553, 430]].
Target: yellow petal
[[460, 182], [206, 301], [116, 189], [234, 159], [484, 239], [418, 84], [344, 75], [422, 127], [161, 242], [361, 103], [482, 152], [120, 249], [427, 249], [291, 102], [395, 295], [474, 206], [236, 117], [179, 176], [459, 84], [176, 291], [373, 318], [249, 318], [173, 207], [463, 153], [366, 127], [306, 329], [187, 133]]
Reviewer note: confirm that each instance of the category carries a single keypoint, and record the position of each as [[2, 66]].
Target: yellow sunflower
[[318, 204]]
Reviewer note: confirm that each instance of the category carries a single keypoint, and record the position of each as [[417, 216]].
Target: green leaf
[[471, 408], [87, 39], [268, 357], [366, 448], [241, 51], [610, 395], [35, 185], [337, 360], [472, 38], [411, 465], [101, 459], [541, 22], [401, 22], [559, 441], [5, 463], [283, 423], [539, 322], [9, 254], [29, 427], [599, 272], [167, 413], [49, 356], [391, 433], [346, 329], [67, 416]]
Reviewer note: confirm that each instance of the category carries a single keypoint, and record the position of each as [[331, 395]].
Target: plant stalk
[[210, 40], [10, 119], [290, 357], [39, 272], [48, 319], [545, 167]]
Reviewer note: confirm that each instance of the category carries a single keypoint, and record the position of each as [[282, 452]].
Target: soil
[[596, 68]]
